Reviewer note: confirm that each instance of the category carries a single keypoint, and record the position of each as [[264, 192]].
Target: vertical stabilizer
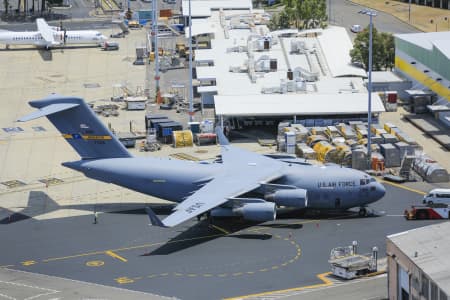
[[79, 125]]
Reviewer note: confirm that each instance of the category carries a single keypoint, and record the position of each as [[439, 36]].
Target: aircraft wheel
[[362, 212]]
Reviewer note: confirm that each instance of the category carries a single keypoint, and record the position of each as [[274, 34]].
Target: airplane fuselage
[[62, 37], [328, 187]]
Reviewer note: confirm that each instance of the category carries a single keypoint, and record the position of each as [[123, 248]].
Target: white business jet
[[50, 36]]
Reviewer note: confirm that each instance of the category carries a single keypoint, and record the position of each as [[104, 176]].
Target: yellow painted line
[[128, 248], [95, 263], [404, 187], [220, 229], [323, 277], [114, 255]]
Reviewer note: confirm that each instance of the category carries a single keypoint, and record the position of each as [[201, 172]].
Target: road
[[345, 13]]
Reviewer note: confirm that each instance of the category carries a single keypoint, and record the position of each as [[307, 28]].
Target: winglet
[[221, 137], [153, 218]]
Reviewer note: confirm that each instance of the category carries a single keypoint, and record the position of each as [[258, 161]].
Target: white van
[[441, 196]]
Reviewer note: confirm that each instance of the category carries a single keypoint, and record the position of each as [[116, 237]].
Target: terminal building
[[424, 59], [253, 76], [419, 263]]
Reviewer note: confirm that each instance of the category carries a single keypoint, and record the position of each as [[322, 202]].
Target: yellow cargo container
[[183, 138]]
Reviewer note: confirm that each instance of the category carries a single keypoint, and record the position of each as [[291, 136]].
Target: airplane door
[[337, 203]]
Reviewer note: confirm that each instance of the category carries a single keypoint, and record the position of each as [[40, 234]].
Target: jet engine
[[260, 211], [290, 198]]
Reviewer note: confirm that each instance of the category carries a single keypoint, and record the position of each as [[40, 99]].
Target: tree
[[389, 50], [305, 13], [360, 51]]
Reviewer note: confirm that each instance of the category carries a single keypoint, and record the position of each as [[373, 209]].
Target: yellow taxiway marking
[[114, 255], [404, 187], [95, 263], [127, 248], [220, 229], [29, 263], [323, 277]]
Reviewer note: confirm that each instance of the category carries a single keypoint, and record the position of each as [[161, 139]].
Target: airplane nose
[[380, 191]]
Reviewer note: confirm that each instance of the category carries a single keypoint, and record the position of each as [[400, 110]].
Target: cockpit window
[[98, 34], [372, 179], [364, 181]]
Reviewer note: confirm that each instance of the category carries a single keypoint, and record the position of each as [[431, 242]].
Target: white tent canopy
[[296, 104]]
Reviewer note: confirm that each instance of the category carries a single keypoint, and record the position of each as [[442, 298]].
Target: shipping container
[[391, 155]]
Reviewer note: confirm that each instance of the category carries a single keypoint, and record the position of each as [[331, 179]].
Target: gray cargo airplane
[[244, 184]]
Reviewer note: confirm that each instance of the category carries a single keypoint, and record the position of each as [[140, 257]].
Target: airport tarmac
[[46, 211], [194, 260]]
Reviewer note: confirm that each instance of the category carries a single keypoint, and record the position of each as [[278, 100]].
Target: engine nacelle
[[290, 198], [260, 211]]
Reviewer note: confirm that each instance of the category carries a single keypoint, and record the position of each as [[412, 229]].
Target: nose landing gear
[[362, 212]]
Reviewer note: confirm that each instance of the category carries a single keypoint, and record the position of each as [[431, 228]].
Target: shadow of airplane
[[46, 55], [40, 203]]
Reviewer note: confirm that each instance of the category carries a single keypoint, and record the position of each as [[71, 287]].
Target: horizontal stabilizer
[[48, 110], [153, 218]]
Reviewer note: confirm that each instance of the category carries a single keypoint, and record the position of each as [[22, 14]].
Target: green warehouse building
[[424, 59]]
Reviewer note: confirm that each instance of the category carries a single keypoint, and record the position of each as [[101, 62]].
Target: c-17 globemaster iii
[[244, 184]]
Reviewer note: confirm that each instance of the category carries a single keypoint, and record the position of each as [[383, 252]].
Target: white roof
[[201, 26], [207, 89], [431, 243], [206, 73], [440, 40], [202, 8], [296, 104], [385, 76], [336, 45], [204, 55]]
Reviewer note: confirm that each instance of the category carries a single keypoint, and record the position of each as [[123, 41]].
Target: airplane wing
[[46, 32], [243, 171]]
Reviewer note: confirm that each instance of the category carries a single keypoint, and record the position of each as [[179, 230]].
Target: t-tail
[[79, 126]]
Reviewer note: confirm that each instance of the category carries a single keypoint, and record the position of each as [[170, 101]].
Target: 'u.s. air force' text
[[333, 184]]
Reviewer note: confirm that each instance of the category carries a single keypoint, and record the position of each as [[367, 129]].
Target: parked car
[[441, 196], [356, 28]]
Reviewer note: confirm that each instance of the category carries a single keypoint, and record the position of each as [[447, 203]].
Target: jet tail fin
[[79, 126], [154, 220]]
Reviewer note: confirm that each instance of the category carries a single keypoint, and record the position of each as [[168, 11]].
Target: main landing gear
[[362, 212]]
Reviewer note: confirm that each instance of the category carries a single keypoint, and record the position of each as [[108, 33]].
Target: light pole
[[329, 11], [155, 42], [409, 12], [371, 14], [191, 92], [448, 22]]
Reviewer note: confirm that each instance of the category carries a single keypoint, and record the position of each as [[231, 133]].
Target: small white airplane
[[50, 36]]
